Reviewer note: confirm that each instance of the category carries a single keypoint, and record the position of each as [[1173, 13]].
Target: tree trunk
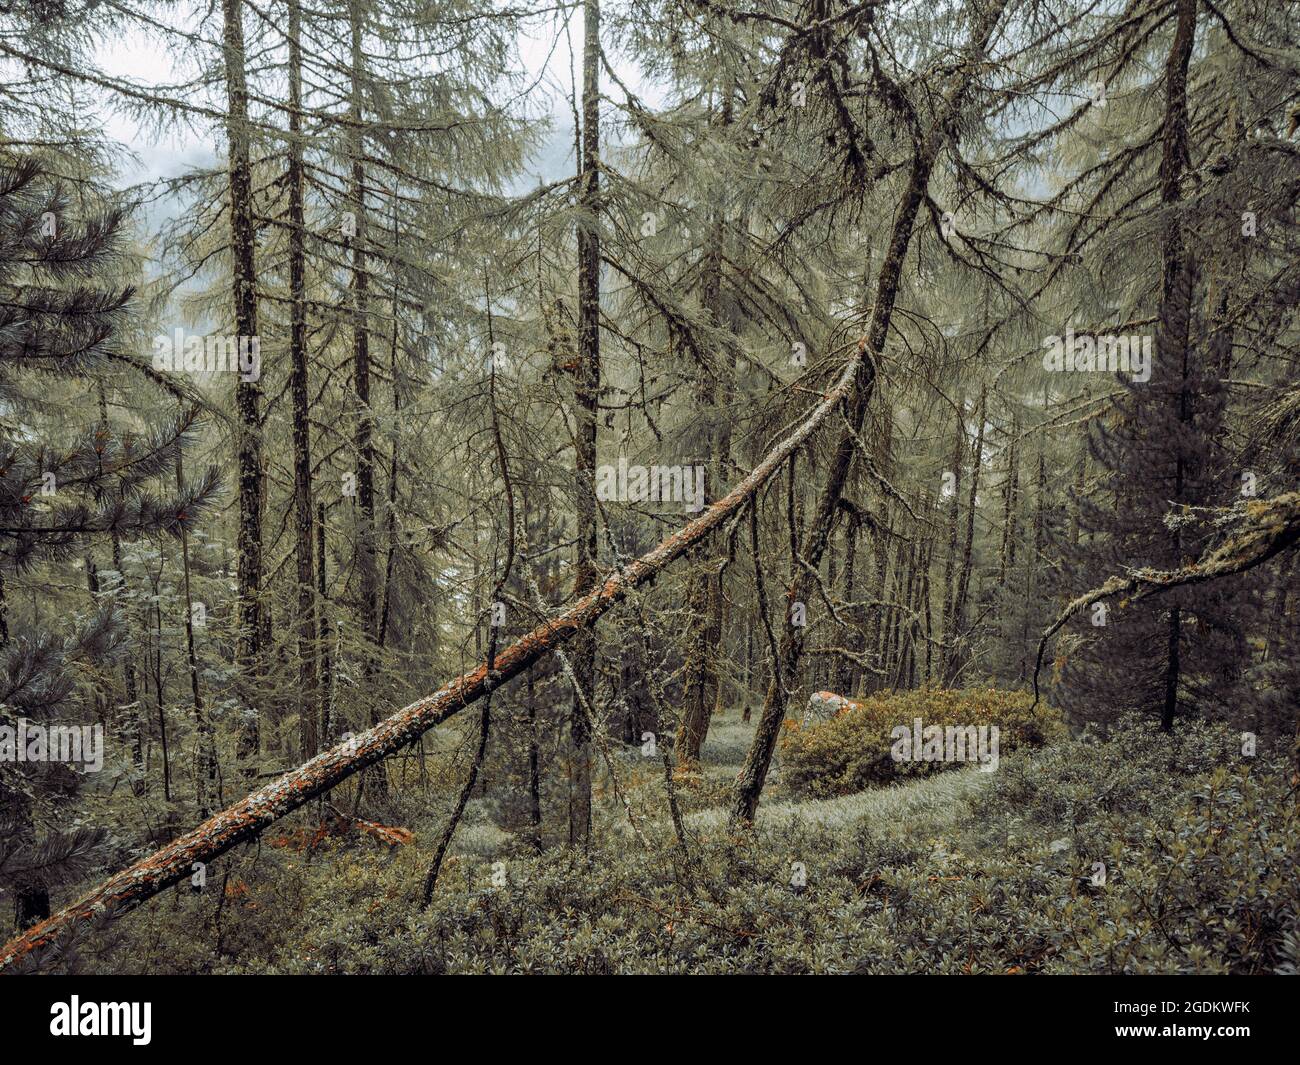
[[206, 771], [1010, 492], [327, 724], [749, 785], [135, 725], [1175, 302], [159, 694], [703, 692], [587, 395], [308, 712], [954, 660], [249, 650], [363, 424], [390, 516], [950, 567]]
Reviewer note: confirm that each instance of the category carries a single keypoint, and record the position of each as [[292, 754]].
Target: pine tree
[[64, 487]]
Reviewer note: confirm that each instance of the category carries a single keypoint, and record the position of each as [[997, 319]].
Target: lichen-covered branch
[[1270, 526]]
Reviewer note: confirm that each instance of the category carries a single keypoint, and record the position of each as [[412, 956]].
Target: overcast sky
[[545, 60]]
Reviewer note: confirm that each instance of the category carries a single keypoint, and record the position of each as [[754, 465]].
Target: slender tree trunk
[[1010, 503], [925, 622], [950, 566], [129, 679], [159, 694], [907, 625], [390, 515], [363, 427], [953, 657], [327, 724], [1175, 304], [703, 694], [308, 712], [206, 771], [1035, 571], [135, 724], [587, 394], [249, 650]]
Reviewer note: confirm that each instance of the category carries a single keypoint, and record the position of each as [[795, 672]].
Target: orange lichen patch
[[394, 837], [297, 840], [302, 839], [236, 889]]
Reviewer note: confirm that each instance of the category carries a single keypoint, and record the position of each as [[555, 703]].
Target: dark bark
[[158, 686], [364, 422], [1175, 308], [308, 711], [326, 685], [703, 689], [249, 649], [587, 395]]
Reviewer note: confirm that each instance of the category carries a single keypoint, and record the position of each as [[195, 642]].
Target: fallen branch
[[247, 818], [1271, 526]]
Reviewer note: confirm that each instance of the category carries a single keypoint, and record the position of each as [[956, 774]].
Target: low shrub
[[855, 749], [964, 873]]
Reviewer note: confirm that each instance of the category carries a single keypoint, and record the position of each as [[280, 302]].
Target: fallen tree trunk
[[257, 811]]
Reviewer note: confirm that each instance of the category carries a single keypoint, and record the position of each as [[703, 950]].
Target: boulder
[[822, 706]]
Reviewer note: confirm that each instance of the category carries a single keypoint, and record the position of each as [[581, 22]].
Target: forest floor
[[931, 801], [959, 871]]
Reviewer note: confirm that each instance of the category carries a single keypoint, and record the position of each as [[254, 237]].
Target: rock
[[822, 706]]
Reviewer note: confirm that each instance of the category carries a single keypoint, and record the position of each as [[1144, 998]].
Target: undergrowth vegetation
[[1140, 853]]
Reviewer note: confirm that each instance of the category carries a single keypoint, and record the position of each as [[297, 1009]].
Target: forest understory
[[650, 486]]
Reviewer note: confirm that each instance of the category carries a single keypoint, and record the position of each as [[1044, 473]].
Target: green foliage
[[1199, 846], [963, 873], [852, 750]]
